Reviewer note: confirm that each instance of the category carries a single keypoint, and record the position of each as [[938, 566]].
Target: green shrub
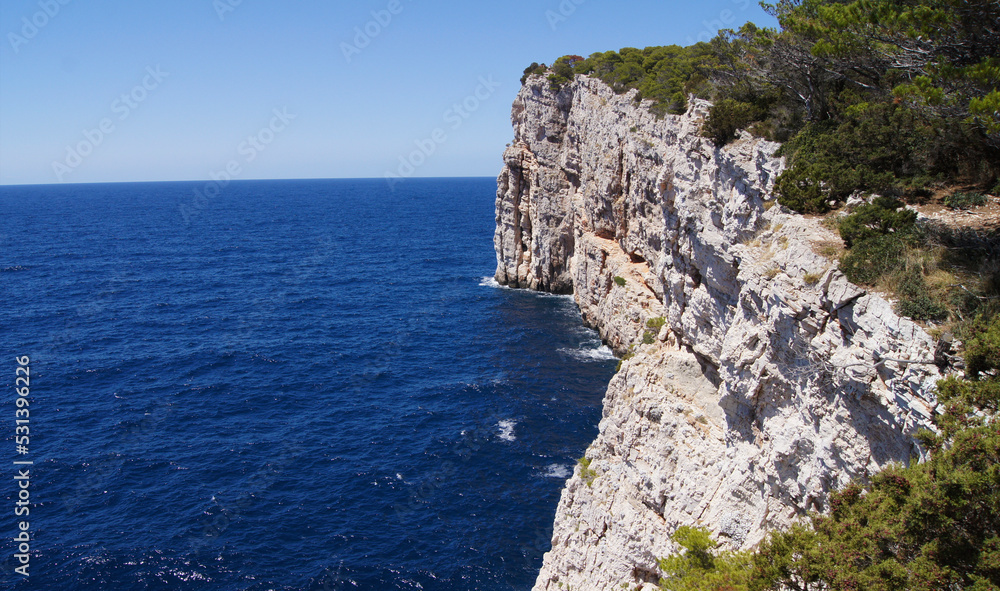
[[534, 68], [982, 352], [656, 323], [811, 187], [563, 71], [871, 259], [619, 281], [628, 355], [877, 234], [915, 299], [881, 217], [965, 200], [921, 307], [701, 566], [973, 402], [728, 116], [648, 337], [586, 473], [870, 147]]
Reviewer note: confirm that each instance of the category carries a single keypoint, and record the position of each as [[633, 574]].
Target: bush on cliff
[[974, 401], [881, 217], [702, 566], [872, 148], [931, 273], [916, 300], [664, 75], [587, 473], [533, 69], [873, 259], [964, 200], [727, 117]]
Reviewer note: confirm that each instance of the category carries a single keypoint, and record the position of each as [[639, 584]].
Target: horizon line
[[374, 178]]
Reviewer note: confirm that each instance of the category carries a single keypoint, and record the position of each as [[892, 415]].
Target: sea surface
[[282, 385]]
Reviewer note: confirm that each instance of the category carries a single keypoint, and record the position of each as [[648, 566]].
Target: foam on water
[[559, 471], [491, 282], [590, 353], [506, 429]]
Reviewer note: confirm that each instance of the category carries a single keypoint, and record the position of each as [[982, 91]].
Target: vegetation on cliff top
[[878, 96], [944, 275]]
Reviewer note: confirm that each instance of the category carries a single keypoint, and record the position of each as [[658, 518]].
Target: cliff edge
[[758, 379]]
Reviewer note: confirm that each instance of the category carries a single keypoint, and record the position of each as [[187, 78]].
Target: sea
[[280, 385]]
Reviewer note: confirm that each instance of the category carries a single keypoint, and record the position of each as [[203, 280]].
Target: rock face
[[765, 381]]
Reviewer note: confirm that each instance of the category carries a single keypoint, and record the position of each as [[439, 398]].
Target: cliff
[[772, 381]]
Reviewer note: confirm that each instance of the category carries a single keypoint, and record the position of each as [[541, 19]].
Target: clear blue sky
[[179, 86]]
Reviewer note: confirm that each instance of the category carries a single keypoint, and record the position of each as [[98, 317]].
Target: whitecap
[[491, 282], [560, 471], [568, 300], [507, 430], [601, 353]]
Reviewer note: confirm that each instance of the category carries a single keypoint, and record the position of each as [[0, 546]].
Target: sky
[[122, 91]]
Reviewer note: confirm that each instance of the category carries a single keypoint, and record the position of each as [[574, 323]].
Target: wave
[[585, 353], [491, 282], [507, 430], [560, 471]]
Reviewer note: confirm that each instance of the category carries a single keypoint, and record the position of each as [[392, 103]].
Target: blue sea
[[279, 385]]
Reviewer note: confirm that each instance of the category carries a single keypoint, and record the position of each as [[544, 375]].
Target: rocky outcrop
[[760, 378]]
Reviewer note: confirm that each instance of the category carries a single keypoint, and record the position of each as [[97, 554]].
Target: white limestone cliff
[[773, 380]]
